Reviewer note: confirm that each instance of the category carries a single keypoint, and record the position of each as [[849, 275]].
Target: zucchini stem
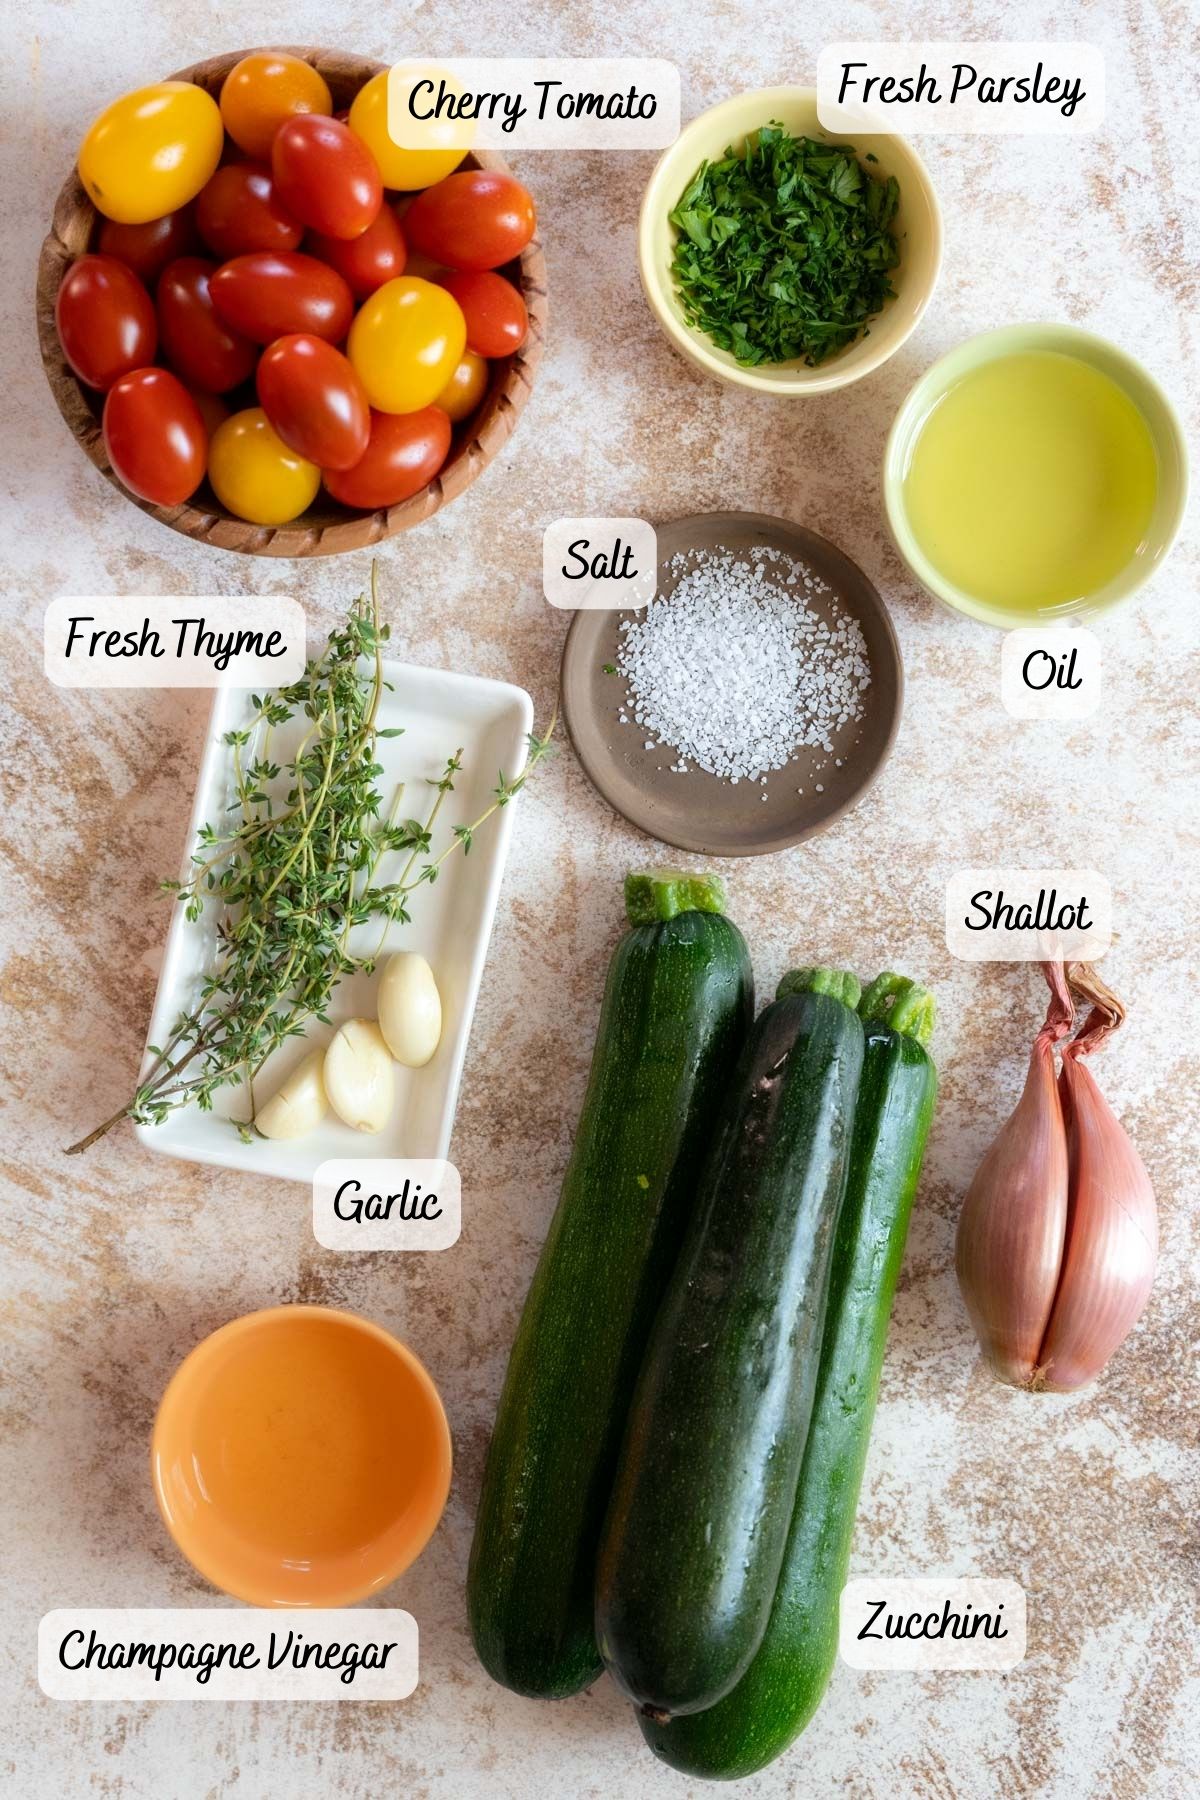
[[843, 984], [904, 1005], [652, 896]]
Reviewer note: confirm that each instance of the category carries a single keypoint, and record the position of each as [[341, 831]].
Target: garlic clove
[[359, 1078], [1112, 1240], [410, 1009], [298, 1105]]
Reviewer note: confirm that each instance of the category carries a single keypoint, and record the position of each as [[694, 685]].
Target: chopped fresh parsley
[[785, 251]]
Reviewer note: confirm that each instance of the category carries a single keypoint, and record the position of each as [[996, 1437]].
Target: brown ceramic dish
[[326, 528], [697, 811]]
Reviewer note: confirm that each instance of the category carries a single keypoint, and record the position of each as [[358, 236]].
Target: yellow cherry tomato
[[405, 169], [254, 473], [152, 151], [263, 90], [406, 342], [465, 388]]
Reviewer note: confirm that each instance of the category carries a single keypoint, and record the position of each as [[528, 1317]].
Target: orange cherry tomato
[[239, 211], [148, 248], [325, 176], [270, 293], [405, 452], [476, 219], [377, 255], [105, 320], [263, 90], [405, 344], [497, 320], [314, 400], [196, 341], [155, 437], [465, 388]]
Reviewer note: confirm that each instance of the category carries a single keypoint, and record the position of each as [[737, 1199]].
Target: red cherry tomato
[[405, 452], [326, 176], [270, 293], [315, 401], [147, 249], [155, 437], [213, 409], [239, 211], [195, 340], [105, 320], [497, 322], [377, 255], [476, 219]]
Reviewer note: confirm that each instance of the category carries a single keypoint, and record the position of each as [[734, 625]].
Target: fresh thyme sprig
[[294, 878]]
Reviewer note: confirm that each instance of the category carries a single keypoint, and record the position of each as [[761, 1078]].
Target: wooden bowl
[[326, 528]]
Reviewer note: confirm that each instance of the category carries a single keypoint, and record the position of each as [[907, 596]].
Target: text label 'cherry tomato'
[[263, 90], [155, 436], [325, 176], [105, 320], [476, 219], [497, 321], [268, 294], [238, 211], [405, 344], [405, 452], [314, 400], [196, 341]]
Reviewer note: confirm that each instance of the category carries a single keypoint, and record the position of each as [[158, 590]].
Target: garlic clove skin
[[359, 1078], [1013, 1226], [410, 1009], [1112, 1243], [298, 1105]]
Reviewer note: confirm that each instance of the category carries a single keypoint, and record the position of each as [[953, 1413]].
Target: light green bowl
[[1160, 416]]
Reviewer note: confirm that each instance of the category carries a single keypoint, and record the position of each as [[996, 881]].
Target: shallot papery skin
[[1112, 1237], [1013, 1223]]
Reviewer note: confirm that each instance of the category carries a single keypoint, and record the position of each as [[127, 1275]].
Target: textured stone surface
[[115, 1265]]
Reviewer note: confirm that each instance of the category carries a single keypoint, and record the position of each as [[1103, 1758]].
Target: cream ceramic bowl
[[1161, 418], [918, 225]]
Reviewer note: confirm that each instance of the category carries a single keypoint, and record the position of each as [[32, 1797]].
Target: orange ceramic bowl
[[301, 1457]]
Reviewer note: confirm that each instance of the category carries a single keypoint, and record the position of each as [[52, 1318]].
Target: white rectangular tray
[[451, 920]]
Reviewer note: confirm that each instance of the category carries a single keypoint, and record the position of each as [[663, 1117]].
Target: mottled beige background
[[116, 1265]]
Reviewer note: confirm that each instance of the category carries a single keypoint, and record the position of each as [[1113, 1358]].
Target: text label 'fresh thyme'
[[174, 641]]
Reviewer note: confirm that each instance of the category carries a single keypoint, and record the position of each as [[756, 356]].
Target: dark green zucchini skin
[[677, 1007], [782, 1688], [704, 1493]]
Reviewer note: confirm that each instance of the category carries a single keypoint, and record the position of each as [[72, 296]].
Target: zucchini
[[703, 1498], [676, 1011], [782, 1688]]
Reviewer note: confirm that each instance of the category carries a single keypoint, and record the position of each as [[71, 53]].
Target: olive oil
[[1032, 482]]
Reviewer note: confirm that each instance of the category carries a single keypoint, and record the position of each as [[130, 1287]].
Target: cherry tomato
[[196, 341], [155, 436], [263, 90], [152, 151], [270, 293], [239, 211], [377, 255], [465, 388], [213, 409], [405, 344], [477, 219], [405, 453], [326, 176], [406, 169], [255, 475], [105, 320], [148, 248], [314, 400], [497, 322]]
